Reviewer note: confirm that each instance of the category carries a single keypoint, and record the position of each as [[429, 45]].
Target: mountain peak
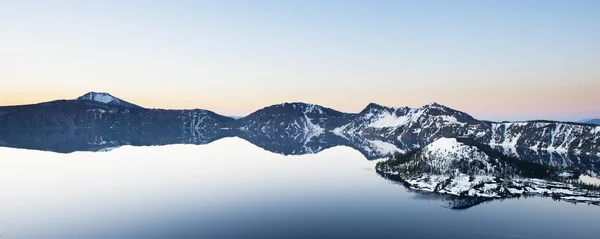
[[435, 105], [106, 98], [591, 121], [102, 97], [375, 106], [296, 104]]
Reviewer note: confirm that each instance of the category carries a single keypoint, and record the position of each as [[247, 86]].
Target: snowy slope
[[545, 135], [106, 98], [412, 127], [464, 167], [448, 156], [417, 127], [404, 128]]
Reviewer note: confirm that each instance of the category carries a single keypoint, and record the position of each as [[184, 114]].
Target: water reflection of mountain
[[463, 203], [285, 143], [297, 143], [73, 140]]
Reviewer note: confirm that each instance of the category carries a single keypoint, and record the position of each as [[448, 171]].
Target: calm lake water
[[233, 189]]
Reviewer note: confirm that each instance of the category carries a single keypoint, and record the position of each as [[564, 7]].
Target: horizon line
[[236, 117]]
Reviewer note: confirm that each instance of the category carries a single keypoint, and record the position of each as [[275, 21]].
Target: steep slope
[[544, 135], [465, 167], [106, 98], [412, 127], [416, 127]]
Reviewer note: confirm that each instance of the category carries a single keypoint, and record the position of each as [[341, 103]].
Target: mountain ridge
[[407, 128], [591, 121], [369, 105]]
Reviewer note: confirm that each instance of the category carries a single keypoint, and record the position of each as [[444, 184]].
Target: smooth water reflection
[[233, 189]]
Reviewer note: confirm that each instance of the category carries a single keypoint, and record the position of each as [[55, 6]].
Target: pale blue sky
[[493, 59]]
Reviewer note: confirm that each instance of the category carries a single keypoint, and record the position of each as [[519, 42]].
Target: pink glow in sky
[[492, 60]]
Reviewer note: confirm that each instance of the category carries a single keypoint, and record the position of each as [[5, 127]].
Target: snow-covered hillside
[[405, 122], [292, 119], [467, 168], [545, 135], [417, 127], [402, 128]]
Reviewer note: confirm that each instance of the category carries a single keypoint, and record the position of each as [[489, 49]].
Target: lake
[[231, 188]]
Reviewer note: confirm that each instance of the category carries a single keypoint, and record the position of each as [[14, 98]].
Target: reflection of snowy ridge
[[107, 149], [371, 148], [379, 147], [311, 142]]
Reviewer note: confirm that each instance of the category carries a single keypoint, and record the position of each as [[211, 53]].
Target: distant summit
[[591, 121], [106, 98]]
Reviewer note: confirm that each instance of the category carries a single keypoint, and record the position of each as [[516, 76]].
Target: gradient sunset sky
[[497, 60]]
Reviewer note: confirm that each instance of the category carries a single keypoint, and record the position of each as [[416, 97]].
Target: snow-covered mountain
[[293, 119], [452, 156], [412, 127], [417, 127], [465, 167], [95, 113], [106, 98], [545, 135], [404, 128]]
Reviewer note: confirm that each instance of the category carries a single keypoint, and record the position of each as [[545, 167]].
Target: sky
[[496, 60]]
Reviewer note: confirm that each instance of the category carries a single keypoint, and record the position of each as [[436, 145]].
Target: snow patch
[[99, 97]]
